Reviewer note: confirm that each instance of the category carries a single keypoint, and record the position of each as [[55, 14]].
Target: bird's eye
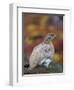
[[52, 34]]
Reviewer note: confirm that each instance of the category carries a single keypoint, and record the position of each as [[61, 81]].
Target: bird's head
[[49, 37]]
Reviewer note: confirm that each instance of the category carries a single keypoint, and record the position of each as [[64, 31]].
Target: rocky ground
[[53, 68]]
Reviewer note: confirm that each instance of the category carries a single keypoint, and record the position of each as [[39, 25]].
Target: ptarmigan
[[42, 54]]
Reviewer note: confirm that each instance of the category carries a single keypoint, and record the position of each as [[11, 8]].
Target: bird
[[42, 53]]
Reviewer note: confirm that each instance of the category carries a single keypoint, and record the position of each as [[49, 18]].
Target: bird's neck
[[46, 42]]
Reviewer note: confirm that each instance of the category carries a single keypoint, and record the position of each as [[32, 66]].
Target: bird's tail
[[26, 66]]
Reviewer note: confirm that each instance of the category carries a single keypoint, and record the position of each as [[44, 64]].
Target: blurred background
[[37, 26]]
